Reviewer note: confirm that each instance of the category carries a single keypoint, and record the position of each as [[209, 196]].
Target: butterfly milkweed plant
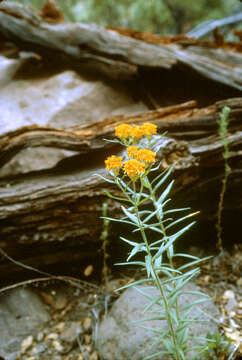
[[145, 189]]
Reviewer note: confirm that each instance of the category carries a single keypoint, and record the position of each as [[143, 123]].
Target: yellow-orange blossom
[[113, 162], [126, 130], [133, 168], [140, 158]]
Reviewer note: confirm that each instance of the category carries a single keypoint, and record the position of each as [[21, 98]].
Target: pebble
[[40, 336], [94, 356], [26, 343], [87, 323], [51, 336], [71, 331], [57, 345], [39, 348]]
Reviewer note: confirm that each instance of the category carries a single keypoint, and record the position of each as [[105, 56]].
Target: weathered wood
[[56, 210], [116, 55], [65, 202]]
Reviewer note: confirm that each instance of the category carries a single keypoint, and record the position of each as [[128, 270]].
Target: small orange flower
[[123, 131], [133, 168], [146, 155], [113, 162], [149, 129], [136, 132], [132, 151]]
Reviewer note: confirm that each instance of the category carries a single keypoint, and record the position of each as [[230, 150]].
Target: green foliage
[[223, 123], [217, 347], [156, 233], [159, 16]]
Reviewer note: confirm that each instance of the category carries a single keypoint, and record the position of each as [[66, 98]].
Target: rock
[[119, 339], [40, 348], [8, 68], [70, 332], [60, 101], [21, 314], [27, 343]]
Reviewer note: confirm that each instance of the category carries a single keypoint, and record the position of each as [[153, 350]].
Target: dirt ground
[[77, 307]]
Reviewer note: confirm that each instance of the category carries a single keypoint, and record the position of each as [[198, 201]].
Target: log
[[52, 216], [65, 202], [119, 53]]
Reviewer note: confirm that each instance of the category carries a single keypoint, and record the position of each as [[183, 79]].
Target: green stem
[[157, 280], [220, 207], [162, 227]]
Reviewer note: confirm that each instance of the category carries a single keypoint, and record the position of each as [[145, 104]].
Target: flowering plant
[[131, 173]]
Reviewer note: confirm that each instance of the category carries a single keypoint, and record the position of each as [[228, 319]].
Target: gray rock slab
[[21, 315], [119, 339], [61, 101]]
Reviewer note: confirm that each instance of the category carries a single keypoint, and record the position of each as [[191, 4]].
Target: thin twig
[[70, 280]]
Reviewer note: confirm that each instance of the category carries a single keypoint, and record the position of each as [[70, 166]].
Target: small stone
[[59, 327], [94, 356], [40, 336], [228, 294], [88, 271], [87, 323], [39, 348], [71, 331], [56, 344], [51, 336], [231, 304], [26, 343], [60, 303]]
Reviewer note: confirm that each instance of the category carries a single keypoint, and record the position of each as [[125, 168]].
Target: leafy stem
[[155, 275]]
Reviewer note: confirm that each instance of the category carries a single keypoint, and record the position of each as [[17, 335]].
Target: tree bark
[[50, 216], [118, 53]]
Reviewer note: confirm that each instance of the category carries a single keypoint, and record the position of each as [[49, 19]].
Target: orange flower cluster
[[149, 129], [123, 131], [139, 159], [135, 132], [145, 155], [113, 162], [133, 168], [132, 151]]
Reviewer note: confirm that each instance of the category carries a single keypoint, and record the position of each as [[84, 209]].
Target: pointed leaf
[[165, 193], [131, 216], [163, 179]]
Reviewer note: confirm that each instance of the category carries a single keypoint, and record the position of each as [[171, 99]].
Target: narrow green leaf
[[136, 249], [163, 178], [172, 238], [133, 243], [131, 216], [139, 263], [154, 301], [149, 266], [117, 220], [165, 193], [116, 197], [161, 318], [193, 304], [142, 292], [138, 282], [105, 179], [186, 255], [171, 211], [180, 220], [194, 263]]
